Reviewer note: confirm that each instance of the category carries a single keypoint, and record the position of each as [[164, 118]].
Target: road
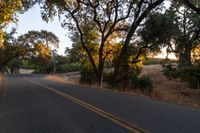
[[35, 105]]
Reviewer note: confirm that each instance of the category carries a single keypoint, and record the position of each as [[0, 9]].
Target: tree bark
[[185, 58], [121, 70]]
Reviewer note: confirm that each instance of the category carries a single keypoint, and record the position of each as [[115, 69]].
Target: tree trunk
[[100, 72], [185, 58], [121, 71]]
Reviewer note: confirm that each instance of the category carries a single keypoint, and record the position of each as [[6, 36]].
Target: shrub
[[168, 71], [143, 83], [68, 68], [87, 76], [188, 74], [107, 77]]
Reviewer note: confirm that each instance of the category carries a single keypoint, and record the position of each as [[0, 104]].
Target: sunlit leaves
[[1, 38], [196, 54], [43, 51], [8, 9]]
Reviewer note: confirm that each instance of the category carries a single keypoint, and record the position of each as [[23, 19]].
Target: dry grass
[[62, 79], [65, 79], [172, 90], [2, 81]]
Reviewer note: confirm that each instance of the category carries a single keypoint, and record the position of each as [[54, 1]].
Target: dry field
[[173, 90], [63, 79]]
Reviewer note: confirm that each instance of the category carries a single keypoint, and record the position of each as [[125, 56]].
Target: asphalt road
[[29, 107]]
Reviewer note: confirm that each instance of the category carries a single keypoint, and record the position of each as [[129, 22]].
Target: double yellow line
[[132, 128]]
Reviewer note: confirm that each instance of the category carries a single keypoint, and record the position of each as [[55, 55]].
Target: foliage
[[188, 74], [1, 38], [193, 4], [189, 36], [168, 71], [40, 43], [107, 78], [8, 13], [181, 32], [14, 65], [142, 83], [63, 68], [11, 50], [33, 46], [98, 23], [8, 9], [152, 36], [196, 54], [87, 76]]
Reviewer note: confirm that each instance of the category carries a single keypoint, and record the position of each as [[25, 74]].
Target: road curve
[[27, 107]]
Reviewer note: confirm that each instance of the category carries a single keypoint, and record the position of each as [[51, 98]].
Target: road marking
[[129, 126]]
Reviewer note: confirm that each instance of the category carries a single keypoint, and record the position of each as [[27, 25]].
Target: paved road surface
[[29, 107]]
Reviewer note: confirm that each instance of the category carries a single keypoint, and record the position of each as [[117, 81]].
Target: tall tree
[[107, 18], [141, 10], [31, 44], [182, 31], [157, 32], [12, 49], [41, 43], [189, 35]]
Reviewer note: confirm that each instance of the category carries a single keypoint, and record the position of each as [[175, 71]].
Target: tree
[[11, 50], [193, 4], [9, 10], [157, 32], [141, 10], [181, 26], [30, 45], [7, 15], [189, 34], [106, 17], [40, 42]]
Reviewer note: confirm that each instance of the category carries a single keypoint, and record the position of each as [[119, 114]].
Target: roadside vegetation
[[111, 44], [2, 82]]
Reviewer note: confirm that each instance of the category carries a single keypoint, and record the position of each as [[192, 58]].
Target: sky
[[31, 20]]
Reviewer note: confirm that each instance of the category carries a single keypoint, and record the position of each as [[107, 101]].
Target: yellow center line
[[129, 126]]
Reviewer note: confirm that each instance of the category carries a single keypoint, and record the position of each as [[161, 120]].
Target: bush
[[107, 77], [143, 83], [68, 68], [87, 76], [168, 71], [188, 74]]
